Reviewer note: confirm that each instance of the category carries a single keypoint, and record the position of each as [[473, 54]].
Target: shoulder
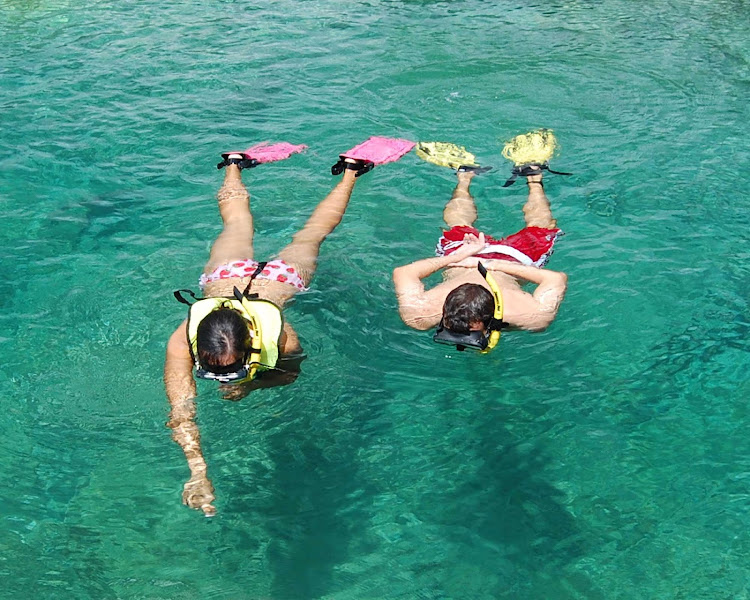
[[289, 344], [178, 365], [525, 311], [422, 322], [178, 344], [423, 310]]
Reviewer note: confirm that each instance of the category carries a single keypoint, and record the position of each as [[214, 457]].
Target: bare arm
[[414, 306], [547, 296], [541, 307], [289, 343], [180, 385]]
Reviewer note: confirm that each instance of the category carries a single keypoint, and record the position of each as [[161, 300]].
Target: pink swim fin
[[260, 153], [374, 151]]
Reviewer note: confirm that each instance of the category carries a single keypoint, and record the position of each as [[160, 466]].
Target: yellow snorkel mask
[[477, 340]]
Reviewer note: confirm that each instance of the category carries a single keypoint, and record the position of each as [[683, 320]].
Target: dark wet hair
[[468, 303], [222, 338]]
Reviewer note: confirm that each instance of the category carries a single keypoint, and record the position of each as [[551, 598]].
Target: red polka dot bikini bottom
[[275, 270]]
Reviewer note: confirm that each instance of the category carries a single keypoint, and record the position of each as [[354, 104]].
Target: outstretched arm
[[178, 379], [415, 308]]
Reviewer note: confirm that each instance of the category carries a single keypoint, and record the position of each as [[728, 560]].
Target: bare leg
[[537, 211], [461, 209], [235, 242], [302, 252]]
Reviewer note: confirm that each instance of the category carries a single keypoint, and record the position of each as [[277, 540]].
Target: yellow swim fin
[[529, 150], [533, 147], [445, 154]]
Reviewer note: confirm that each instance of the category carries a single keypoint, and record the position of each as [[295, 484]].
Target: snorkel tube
[[497, 316]]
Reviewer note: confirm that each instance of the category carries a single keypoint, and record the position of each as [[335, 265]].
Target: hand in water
[[198, 493]]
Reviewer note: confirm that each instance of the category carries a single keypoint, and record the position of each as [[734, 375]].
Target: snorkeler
[[481, 290], [236, 334]]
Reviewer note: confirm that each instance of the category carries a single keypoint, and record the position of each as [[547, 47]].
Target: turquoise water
[[605, 458]]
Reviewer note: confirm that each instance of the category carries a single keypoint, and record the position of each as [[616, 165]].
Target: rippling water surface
[[605, 458]]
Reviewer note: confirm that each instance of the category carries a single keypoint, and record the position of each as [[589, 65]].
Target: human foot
[[237, 158], [359, 166], [533, 174], [465, 176]]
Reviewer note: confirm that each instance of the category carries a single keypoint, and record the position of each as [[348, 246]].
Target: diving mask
[[474, 340], [237, 371]]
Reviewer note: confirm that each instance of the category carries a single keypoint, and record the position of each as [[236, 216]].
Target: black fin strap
[[511, 180], [258, 271], [526, 170], [473, 169], [558, 172], [242, 163], [339, 167], [361, 166], [180, 298], [365, 167]]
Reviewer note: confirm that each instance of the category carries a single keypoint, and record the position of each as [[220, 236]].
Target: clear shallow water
[[605, 458]]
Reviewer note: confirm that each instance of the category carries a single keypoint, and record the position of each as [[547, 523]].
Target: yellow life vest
[[264, 321]]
